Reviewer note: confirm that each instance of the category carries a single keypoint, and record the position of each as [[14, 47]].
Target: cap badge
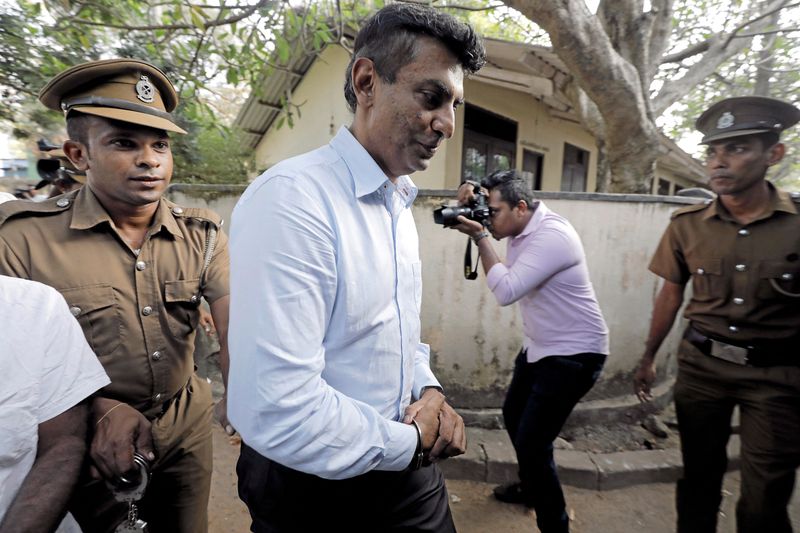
[[145, 90], [725, 121]]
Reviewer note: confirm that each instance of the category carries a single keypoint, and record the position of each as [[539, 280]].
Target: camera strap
[[469, 271]]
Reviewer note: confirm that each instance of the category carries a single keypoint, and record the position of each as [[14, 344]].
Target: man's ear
[[522, 206], [364, 79], [78, 153], [776, 153]]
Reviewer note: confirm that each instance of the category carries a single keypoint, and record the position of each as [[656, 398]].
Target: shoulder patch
[[22, 208], [690, 209]]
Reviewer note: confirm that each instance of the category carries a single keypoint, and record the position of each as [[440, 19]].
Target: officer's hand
[[118, 433], [452, 439], [207, 322], [221, 414], [469, 227], [643, 378], [425, 412]]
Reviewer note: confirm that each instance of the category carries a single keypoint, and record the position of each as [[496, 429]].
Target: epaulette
[[195, 212], [691, 208], [51, 206]]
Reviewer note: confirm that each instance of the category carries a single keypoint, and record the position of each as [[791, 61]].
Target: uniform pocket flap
[[184, 290], [779, 270], [709, 265], [82, 300]]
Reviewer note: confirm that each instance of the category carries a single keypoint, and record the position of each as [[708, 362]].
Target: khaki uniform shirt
[[138, 312], [745, 278]]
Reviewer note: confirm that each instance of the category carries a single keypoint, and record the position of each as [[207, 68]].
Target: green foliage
[[212, 156]]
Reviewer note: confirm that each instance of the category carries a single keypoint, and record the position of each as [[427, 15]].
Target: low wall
[[473, 340]]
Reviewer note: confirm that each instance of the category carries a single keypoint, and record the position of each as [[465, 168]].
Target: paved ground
[[630, 510]]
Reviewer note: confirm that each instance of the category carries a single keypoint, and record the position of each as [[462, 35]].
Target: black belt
[[781, 353]]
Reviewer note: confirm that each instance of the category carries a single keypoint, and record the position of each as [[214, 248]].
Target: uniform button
[[194, 299], [158, 397], [75, 310], [744, 232], [741, 268], [141, 265], [156, 355], [787, 276], [63, 202], [738, 301], [147, 310], [177, 210], [701, 271], [733, 329]]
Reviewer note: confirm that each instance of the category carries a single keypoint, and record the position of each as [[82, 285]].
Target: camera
[[477, 209]]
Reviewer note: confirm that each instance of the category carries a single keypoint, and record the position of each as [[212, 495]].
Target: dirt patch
[[622, 436]]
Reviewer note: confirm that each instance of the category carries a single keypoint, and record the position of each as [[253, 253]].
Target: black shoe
[[511, 493]]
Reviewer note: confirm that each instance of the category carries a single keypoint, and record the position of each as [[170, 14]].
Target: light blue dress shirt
[[324, 329]]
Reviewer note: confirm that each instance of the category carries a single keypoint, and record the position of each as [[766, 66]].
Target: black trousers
[[706, 391], [539, 400], [282, 500]]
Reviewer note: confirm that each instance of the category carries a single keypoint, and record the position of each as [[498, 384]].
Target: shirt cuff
[[401, 445]]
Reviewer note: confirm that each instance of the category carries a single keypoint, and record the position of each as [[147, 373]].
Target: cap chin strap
[[116, 103]]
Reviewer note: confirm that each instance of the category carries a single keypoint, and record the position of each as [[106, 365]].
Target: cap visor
[[730, 134], [132, 117]]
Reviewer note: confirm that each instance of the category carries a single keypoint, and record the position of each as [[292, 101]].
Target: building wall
[[323, 112], [473, 340]]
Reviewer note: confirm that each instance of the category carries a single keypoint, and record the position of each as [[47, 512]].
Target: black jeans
[[539, 400], [282, 500]]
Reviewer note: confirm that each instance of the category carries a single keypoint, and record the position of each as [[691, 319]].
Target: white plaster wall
[[473, 340]]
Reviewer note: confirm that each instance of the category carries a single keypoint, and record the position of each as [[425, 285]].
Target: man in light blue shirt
[[330, 386]]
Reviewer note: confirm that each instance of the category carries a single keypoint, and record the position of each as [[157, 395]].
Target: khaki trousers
[[706, 391], [176, 500]]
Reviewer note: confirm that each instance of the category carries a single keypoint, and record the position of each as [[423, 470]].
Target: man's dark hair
[[78, 127], [511, 185], [390, 39], [768, 139]]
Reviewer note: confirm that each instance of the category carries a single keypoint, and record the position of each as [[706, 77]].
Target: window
[[532, 168], [489, 143], [663, 187], [575, 170]]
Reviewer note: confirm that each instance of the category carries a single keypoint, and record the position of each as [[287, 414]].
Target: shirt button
[[75, 310], [194, 299], [738, 301], [787, 276], [147, 310], [63, 202], [177, 210], [741, 268], [156, 355], [701, 271], [733, 329], [744, 232], [141, 265], [158, 397]]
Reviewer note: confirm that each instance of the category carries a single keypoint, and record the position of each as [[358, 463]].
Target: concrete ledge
[[490, 458]]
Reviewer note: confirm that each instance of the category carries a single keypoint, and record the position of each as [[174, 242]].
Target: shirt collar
[[88, 212], [367, 175], [778, 201], [536, 219]]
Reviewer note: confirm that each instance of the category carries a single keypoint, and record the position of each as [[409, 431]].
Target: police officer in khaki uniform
[[132, 267], [742, 253]]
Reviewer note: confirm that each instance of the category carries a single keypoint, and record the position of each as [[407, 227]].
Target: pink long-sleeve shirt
[[546, 272]]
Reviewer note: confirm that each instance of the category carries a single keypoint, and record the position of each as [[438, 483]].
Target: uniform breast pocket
[[182, 302], [95, 307], [707, 280], [779, 280]]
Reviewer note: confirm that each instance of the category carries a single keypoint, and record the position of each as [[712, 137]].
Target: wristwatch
[[479, 236]]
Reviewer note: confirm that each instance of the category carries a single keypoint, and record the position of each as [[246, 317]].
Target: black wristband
[[419, 454]]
